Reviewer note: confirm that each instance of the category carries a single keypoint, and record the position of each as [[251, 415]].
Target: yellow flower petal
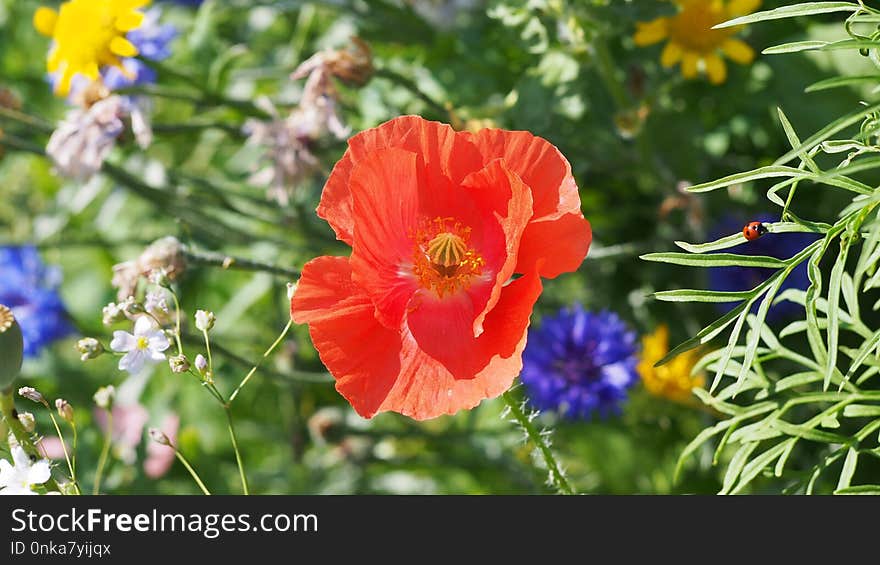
[[129, 21], [737, 8], [62, 87], [123, 47], [45, 20], [738, 51], [671, 55], [648, 33], [91, 71], [689, 64], [715, 68]]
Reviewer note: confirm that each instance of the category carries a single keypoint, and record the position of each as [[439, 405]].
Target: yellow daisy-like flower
[[88, 34], [672, 380], [693, 42]]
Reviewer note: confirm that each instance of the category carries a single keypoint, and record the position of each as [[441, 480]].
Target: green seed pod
[[11, 347]]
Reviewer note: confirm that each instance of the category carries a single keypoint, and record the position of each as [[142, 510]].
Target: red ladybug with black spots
[[754, 230]]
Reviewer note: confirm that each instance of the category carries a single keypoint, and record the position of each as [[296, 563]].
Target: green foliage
[[801, 404]]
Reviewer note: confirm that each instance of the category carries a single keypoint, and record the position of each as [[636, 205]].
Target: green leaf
[[759, 463], [833, 330], [861, 489], [748, 176], [805, 9], [826, 132], [715, 260], [808, 433], [712, 431], [863, 353], [861, 411], [794, 47], [849, 469], [701, 296], [735, 467], [799, 46], [795, 141], [736, 239]]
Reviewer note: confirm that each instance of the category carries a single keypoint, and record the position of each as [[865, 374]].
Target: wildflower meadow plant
[[807, 387], [425, 247]]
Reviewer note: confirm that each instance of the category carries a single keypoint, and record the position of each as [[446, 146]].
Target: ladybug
[[754, 230]]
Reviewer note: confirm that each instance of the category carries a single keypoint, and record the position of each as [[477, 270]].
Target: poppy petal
[[385, 189], [554, 192], [539, 164], [426, 389], [500, 194], [358, 351], [448, 158], [443, 331], [559, 246]]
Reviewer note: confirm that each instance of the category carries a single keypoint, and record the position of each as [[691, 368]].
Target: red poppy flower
[[428, 315]]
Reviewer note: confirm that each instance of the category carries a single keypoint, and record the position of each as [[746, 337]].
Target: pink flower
[[161, 457], [52, 448], [128, 428]]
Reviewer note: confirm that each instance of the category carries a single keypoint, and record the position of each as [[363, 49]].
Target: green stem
[[228, 262], [105, 451], [556, 475], [266, 354], [25, 119], [177, 322], [607, 71], [192, 471], [244, 484], [208, 350], [413, 88], [70, 467]]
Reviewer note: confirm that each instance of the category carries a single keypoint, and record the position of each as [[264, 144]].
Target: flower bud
[[27, 421], [89, 348], [65, 410], [104, 396], [201, 363], [11, 347], [31, 394], [112, 313], [159, 437], [179, 364], [291, 288], [132, 308], [159, 277], [204, 320]]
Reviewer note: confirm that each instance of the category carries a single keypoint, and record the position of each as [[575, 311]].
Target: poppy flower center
[[443, 258]]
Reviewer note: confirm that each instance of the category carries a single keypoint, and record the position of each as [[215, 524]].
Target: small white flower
[[104, 396], [204, 320], [144, 346], [19, 477], [156, 302]]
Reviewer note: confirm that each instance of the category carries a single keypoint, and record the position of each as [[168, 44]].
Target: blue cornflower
[[779, 245], [30, 289], [153, 42], [579, 363]]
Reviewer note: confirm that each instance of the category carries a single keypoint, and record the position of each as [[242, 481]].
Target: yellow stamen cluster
[[88, 34], [443, 260], [6, 318]]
